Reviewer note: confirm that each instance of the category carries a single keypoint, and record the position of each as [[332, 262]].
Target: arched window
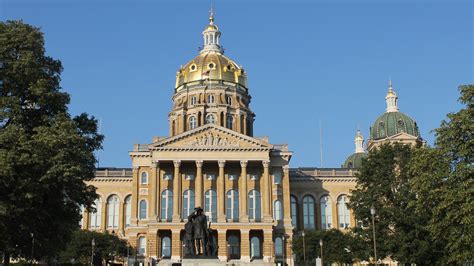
[[278, 246], [308, 212], [166, 247], [166, 205], [294, 211], [255, 247], [277, 215], [192, 122], [210, 98], [141, 245], [228, 100], [188, 203], [343, 211], [128, 210], [382, 129], [254, 203], [232, 213], [193, 99], [95, 217], [142, 214], [113, 212], [326, 212], [144, 178], [234, 247], [229, 122], [210, 119], [210, 204]]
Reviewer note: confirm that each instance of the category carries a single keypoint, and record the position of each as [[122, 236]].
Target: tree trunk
[[6, 259]]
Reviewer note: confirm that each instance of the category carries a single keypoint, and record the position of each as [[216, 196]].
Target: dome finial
[[359, 142], [211, 35], [211, 15], [391, 98]]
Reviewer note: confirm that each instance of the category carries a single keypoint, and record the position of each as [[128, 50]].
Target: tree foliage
[[107, 248], [384, 183], [45, 154], [444, 183], [338, 247]]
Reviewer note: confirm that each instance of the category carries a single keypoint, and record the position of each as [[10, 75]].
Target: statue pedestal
[[200, 262]]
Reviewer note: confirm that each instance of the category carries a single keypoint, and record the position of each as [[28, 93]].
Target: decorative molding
[[143, 191], [221, 163], [211, 140], [266, 163]]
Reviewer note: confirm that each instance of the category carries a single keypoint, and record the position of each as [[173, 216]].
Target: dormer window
[[210, 98], [193, 67], [211, 66]]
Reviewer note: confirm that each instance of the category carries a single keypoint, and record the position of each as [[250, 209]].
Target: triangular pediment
[[402, 136], [210, 137]]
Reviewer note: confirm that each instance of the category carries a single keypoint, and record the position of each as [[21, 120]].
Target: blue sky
[[306, 61]]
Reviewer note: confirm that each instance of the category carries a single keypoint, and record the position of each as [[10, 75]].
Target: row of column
[[267, 248], [266, 190]]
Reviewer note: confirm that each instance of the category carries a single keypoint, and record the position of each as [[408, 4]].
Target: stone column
[[121, 225], [243, 191], [134, 218], [245, 126], [199, 183], [286, 195], [176, 248], [335, 213], [103, 222], [245, 245], [266, 197], [222, 245], [85, 220], [154, 189], [268, 246], [177, 192], [152, 243], [221, 192]]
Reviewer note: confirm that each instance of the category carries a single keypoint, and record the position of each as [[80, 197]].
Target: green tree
[[444, 183], [338, 246], [45, 154], [384, 183], [107, 248]]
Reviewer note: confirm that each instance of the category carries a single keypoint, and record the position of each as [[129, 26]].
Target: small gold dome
[[211, 65]]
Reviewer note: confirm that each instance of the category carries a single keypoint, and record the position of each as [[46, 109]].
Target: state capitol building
[[255, 202]]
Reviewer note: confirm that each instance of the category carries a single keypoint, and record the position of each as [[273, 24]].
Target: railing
[[140, 147], [113, 173]]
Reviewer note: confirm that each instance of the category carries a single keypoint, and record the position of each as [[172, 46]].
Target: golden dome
[[211, 65]]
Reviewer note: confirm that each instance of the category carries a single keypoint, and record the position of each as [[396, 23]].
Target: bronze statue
[[200, 231]]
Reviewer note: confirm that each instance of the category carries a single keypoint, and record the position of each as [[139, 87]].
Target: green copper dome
[[392, 123], [354, 160]]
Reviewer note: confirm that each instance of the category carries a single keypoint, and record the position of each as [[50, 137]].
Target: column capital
[[199, 163], [155, 163], [243, 163], [266, 163], [221, 163], [286, 167], [177, 163], [135, 167]]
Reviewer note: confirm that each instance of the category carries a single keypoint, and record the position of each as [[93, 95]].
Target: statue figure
[[189, 237], [200, 231]]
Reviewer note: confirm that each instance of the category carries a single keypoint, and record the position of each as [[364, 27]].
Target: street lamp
[[32, 247], [304, 248], [284, 249], [321, 247], [92, 254], [372, 212]]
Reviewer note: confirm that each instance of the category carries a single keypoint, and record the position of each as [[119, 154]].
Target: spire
[[211, 35], [391, 98], [359, 142]]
